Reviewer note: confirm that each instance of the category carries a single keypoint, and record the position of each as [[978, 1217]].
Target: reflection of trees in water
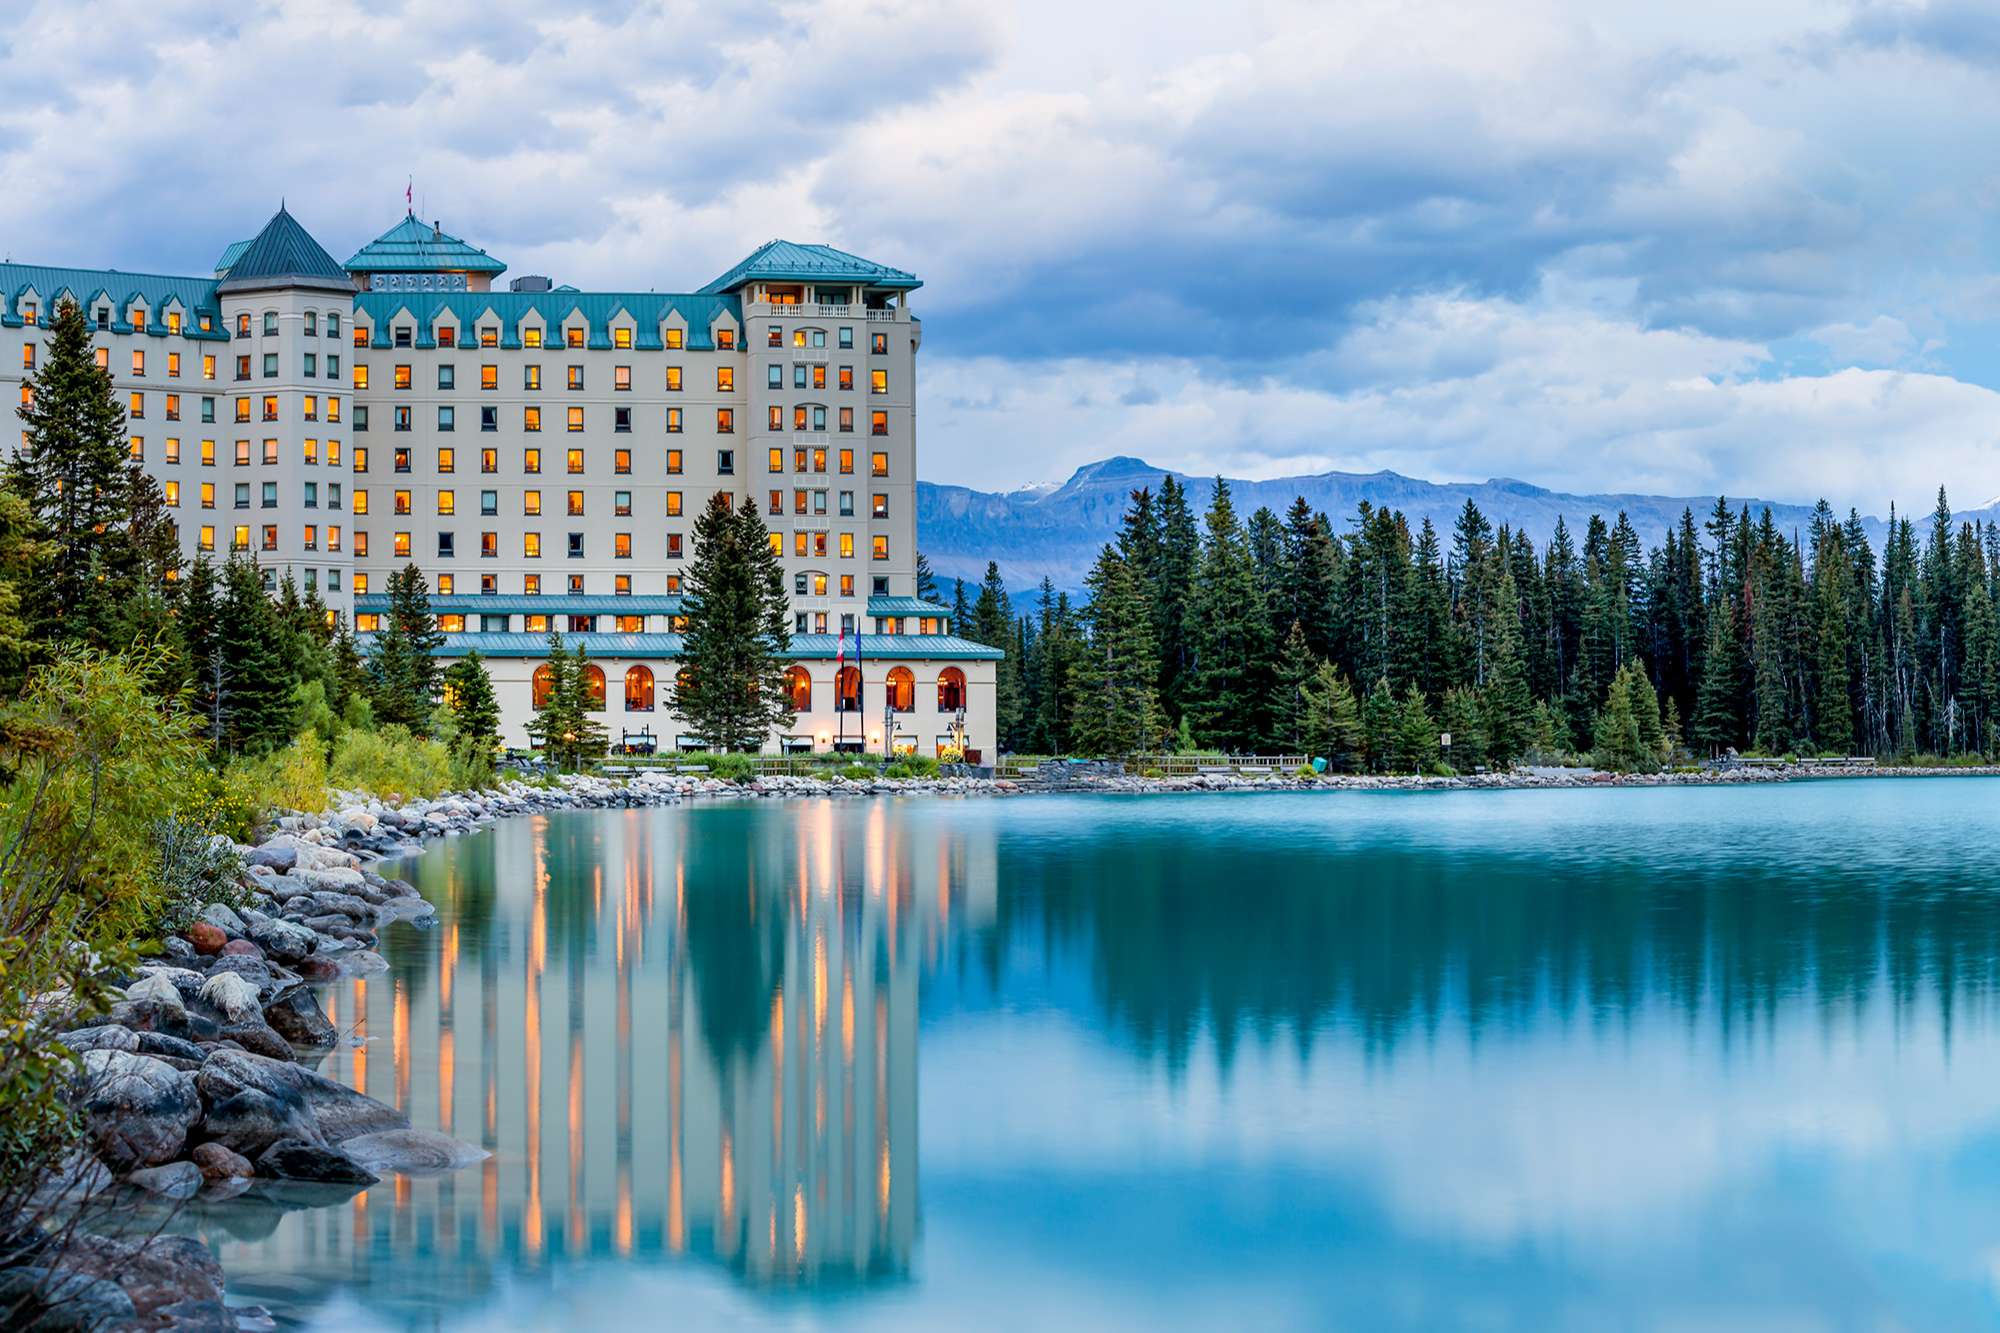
[[1247, 941]]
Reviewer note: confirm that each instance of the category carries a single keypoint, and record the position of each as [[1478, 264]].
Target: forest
[[1364, 643]]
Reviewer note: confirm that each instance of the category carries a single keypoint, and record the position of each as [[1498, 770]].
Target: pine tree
[[468, 692], [993, 625], [1506, 704], [402, 662], [1615, 737], [254, 702], [731, 686], [1231, 697], [1381, 727], [1460, 717], [1114, 672], [926, 580], [95, 510], [587, 739], [1417, 732], [1333, 721], [1297, 667], [1717, 724], [1172, 591]]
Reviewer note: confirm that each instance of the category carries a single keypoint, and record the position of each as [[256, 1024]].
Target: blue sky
[[1597, 246]]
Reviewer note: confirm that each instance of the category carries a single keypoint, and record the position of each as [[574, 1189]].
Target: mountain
[[1057, 531]]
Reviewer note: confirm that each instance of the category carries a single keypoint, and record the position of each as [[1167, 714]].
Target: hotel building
[[542, 454]]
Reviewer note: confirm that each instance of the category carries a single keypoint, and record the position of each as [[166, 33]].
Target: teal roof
[[787, 261], [471, 309], [420, 247], [805, 647], [92, 287], [283, 254], [562, 604], [905, 606], [230, 256]]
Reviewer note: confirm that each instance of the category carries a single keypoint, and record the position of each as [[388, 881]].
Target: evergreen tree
[[993, 625], [254, 709], [1232, 631], [1115, 671], [1506, 704], [1297, 668], [1417, 732], [402, 662], [926, 580], [731, 686], [1460, 716], [1381, 727], [468, 692], [1333, 721], [1174, 575]]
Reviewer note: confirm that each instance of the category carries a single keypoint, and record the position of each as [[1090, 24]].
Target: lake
[[1648, 1058]]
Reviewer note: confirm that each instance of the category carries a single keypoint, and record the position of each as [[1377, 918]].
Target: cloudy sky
[[1737, 245]]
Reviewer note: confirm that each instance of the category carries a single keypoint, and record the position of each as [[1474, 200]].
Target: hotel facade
[[542, 454]]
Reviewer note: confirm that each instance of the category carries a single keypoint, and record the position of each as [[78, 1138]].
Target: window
[[489, 418], [360, 548], [309, 407], [447, 376], [847, 377], [574, 503], [208, 453], [447, 502], [270, 407], [208, 367], [531, 419], [880, 508], [401, 543], [361, 458], [402, 377], [270, 451], [621, 462], [878, 464], [138, 362], [310, 366], [402, 335], [531, 503], [576, 546], [489, 377], [360, 501], [673, 421], [333, 331], [333, 366], [531, 460], [878, 424], [674, 546], [575, 377], [447, 547], [173, 494], [489, 336], [402, 501], [531, 377], [725, 379], [173, 449], [531, 545], [725, 339], [531, 337], [333, 409], [574, 420], [400, 460], [489, 460], [573, 337], [676, 339], [489, 503], [270, 322], [673, 379], [360, 376], [137, 408], [621, 338], [725, 421], [270, 365], [447, 417], [360, 417], [725, 462], [205, 541], [846, 546], [447, 336], [673, 462], [309, 537], [310, 451], [621, 545], [243, 453], [573, 460], [621, 379], [878, 343], [489, 548], [847, 504], [880, 548]]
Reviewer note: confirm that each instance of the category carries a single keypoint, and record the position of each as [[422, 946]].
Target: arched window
[[593, 679], [800, 686], [545, 684], [639, 690], [951, 690], [847, 690], [902, 690]]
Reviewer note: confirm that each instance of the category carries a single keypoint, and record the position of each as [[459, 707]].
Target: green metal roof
[[471, 309], [805, 647], [412, 246], [563, 604], [91, 287], [787, 261], [905, 606], [283, 254], [230, 256]]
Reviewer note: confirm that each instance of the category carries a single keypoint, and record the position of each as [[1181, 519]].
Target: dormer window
[[402, 335], [489, 336], [676, 338], [138, 321], [725, 339], [621, 338], [447, 336], [173, 321], [573, 337]]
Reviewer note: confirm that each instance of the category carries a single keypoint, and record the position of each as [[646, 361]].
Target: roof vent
[[529, 282]]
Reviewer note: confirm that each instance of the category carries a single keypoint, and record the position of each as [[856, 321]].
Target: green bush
[[732, 767], [912, 766], [196, 867], [390, 764], [294, 778]]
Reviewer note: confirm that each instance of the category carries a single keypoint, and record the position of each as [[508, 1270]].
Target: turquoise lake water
[[1647, 1059]]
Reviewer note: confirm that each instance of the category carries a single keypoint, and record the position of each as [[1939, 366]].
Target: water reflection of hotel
[[670, 1051]]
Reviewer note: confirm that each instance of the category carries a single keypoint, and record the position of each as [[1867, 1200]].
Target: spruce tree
[[1232, 665], [926, 580], [1417, 732], [402, 663], [731, 688], [255, 709], [1381, 727], [993, 625], [1460, 717], [1172, 592], [1506, 704], [468, 691], [1333, 720], [555, 724], [1115, 671]]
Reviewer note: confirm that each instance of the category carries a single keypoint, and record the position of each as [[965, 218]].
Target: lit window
[[621, 337], [531, 503], [360, 376], [531, 337], [402, 545], [725, 379], [673, 379], [574, 460], [531, 545], [573, 337], [878, 423], [673, 462], [575, 422], [725, 421], [489, 377], [447, 503], [676, 338], [531, 419], [621, 378]]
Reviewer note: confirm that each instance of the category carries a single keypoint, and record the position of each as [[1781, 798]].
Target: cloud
[[1341, 228]]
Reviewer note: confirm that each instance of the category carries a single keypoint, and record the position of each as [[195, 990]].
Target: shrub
[[912, 766], [293, 778], [391, 764], [732, 767], [196, 867]]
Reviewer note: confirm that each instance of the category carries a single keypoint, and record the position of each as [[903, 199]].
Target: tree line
[[1281, 634]]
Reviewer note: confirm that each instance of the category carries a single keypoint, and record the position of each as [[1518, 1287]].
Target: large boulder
[[218, 1161], [223, 917], [174, 1180], [153, 1274], [168, 1047], [258, 1037], [280, 856], [49, 1300], [137, 1110], [339, 1111], [297, 1018], [207, 938], [108, 1037], [235, 994], [281, 939], [158, 988], [152, 1016], [247, 1122], [295, 1159]]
